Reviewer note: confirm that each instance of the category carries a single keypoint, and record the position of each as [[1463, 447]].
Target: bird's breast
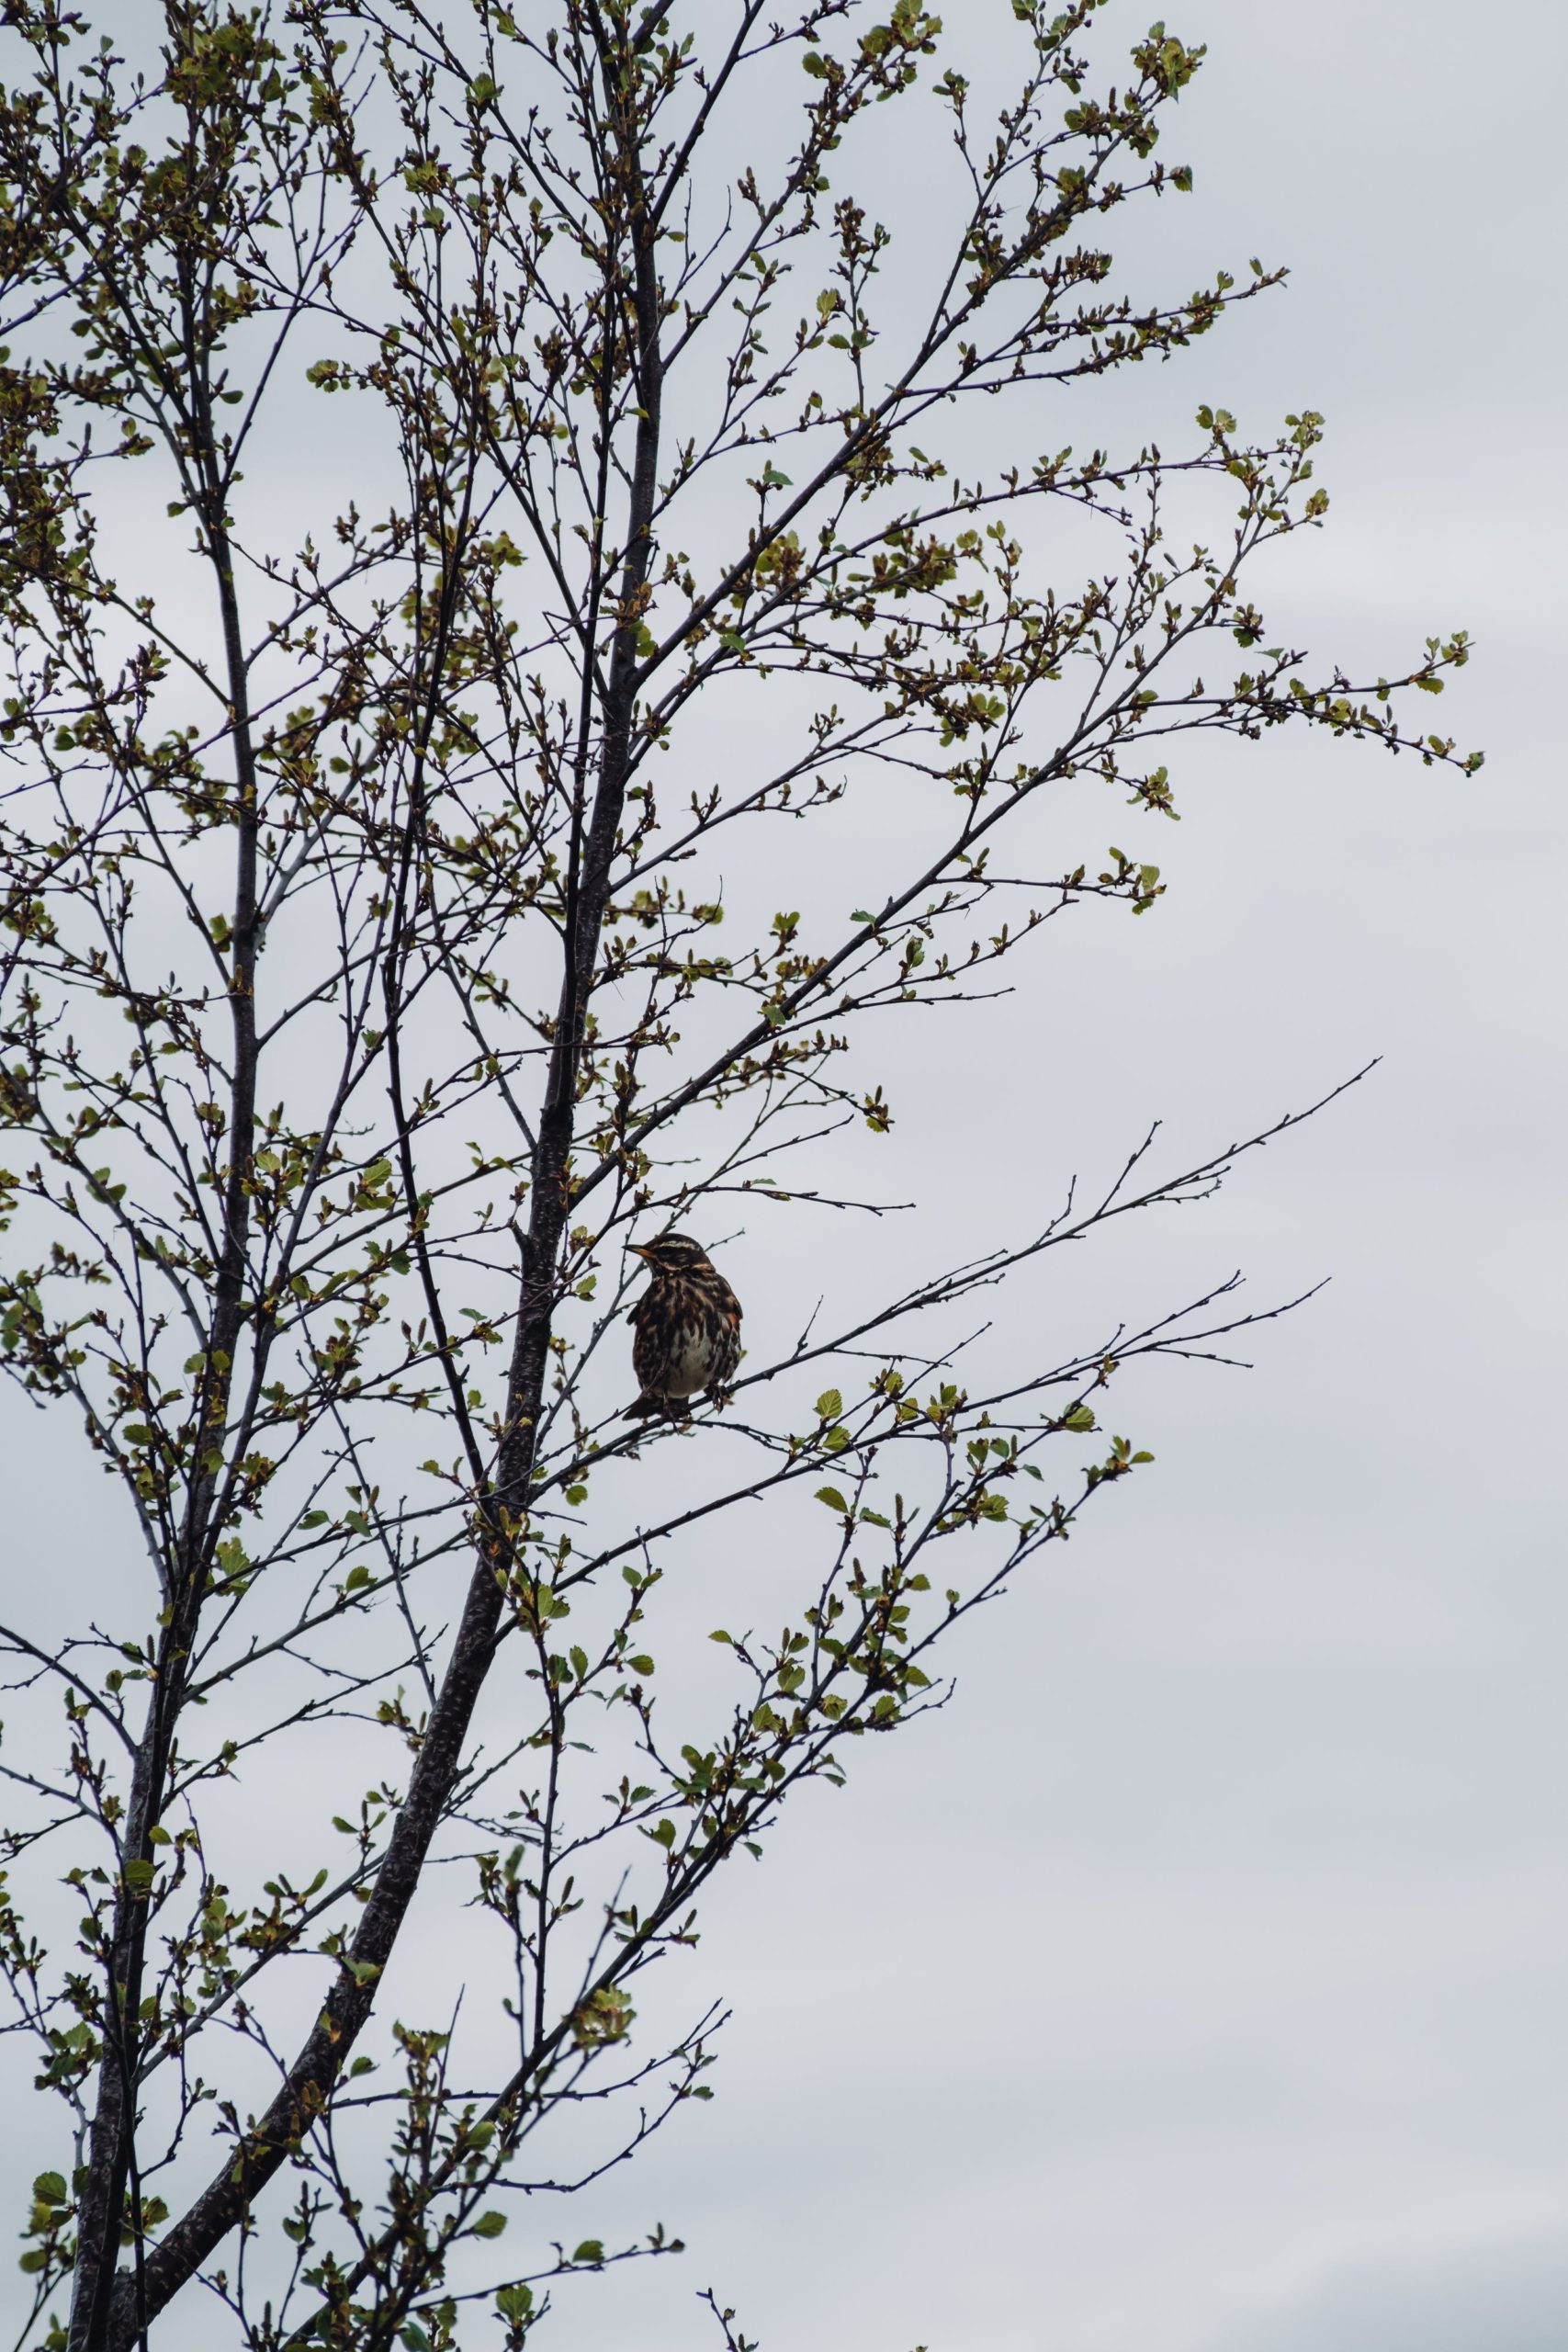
[[692, 1352]]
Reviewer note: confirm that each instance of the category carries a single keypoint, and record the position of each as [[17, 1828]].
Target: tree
[[366, 988]]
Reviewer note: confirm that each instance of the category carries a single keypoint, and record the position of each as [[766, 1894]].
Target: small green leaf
[[832, 1498], [591, 2250], [830, 1404], [489, 2225], [1080, 1418], [50, 2188]]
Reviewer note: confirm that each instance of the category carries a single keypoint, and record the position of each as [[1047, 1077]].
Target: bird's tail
[[645, 1407]]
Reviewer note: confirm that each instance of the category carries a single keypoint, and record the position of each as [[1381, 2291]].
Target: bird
[[687, 1323]]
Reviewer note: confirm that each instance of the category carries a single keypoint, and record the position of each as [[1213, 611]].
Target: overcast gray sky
[[1211, 1997], [1198, 1984]]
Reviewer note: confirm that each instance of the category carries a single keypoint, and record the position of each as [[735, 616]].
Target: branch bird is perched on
[[687, 1323]]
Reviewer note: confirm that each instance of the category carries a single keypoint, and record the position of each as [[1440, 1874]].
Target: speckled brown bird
[[687, 1323]]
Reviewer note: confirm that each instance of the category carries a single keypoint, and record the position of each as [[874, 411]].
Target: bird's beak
[[639, 1250]]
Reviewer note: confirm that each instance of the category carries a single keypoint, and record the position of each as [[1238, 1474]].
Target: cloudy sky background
[[1194, 1982]]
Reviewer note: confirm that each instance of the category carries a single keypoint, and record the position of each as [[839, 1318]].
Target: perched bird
[[687, 1323]]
